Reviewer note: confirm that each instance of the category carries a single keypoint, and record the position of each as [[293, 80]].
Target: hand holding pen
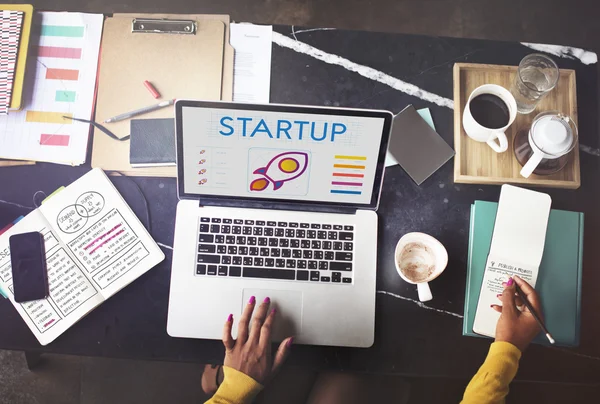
[[515, 326]]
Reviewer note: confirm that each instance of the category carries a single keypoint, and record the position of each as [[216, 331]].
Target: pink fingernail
[[230, 318], [492, 306], [290, 342], [267, 300], [499, 295], [273, 311], [252, 300], [510, 282]]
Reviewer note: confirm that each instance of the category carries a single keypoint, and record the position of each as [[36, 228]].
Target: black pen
[[534, 313]]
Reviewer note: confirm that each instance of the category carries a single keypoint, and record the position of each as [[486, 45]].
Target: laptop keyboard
[[294, 251]]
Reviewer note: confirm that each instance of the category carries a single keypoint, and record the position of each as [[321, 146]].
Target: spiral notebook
[[10, 29]]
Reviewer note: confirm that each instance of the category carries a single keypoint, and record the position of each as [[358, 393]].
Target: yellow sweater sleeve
[[490, 384], [237, 388]]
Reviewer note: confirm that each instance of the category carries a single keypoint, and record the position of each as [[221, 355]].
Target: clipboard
[[184, 56]]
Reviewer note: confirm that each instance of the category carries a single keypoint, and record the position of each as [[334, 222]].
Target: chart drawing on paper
[[283, 172], [60, 81]]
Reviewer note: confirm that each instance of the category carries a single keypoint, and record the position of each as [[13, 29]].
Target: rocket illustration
[[280, 169]]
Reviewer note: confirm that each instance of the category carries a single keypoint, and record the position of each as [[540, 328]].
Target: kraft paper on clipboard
[[180, 66]]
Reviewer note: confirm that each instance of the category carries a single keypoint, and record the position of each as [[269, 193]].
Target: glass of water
[[536, 76]]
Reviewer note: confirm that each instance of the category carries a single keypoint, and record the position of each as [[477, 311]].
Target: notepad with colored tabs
[[419, 150], [426, 115], [517, 248]]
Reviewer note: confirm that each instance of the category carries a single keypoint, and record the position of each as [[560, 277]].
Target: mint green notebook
[[559, 278]]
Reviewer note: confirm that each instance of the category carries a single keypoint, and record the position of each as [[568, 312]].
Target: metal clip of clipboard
[[163, 26]]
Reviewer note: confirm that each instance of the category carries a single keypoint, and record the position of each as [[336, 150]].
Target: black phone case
[[27, 295]]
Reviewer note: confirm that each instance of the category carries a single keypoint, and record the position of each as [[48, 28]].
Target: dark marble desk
[[411, 339]]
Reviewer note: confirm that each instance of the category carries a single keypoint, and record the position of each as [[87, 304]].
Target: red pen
[[152, 90]]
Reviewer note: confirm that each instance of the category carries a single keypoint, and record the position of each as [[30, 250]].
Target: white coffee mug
[[480, 133], [423, 251]]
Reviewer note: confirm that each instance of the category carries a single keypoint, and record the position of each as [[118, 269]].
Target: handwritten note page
[[517, 249], [101, 232], [72, 295], [94, 245]]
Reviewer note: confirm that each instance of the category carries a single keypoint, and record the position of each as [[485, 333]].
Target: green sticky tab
[[63, 30], [3, 293], [65, 96], [52, 194], [426, 115]]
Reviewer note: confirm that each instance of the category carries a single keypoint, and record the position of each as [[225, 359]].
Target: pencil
[[534, 314], [140, 111]]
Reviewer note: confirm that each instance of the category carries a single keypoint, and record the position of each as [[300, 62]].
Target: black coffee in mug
[[490, 111]]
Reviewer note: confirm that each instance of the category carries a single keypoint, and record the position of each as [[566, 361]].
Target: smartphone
[[28, 258]]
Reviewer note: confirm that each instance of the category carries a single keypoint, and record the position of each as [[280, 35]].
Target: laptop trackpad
[[288, 320]]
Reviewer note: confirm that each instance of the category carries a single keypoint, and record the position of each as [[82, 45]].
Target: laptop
[[277, 201]]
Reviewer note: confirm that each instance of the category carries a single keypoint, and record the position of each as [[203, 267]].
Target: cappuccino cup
[[419, 259]]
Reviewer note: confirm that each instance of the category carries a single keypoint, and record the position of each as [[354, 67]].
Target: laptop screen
[[290, 153]]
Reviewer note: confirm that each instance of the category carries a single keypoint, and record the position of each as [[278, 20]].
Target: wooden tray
[[477, 163]]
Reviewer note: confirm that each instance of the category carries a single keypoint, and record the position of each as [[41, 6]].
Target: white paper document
[[94, 245], [252, 65], [59, 82], [517, 248]]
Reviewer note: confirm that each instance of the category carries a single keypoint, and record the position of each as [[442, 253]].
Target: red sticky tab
[[54, 140]]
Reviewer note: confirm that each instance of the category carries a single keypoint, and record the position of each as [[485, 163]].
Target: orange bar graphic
[[48, 117], [348, 175], [62, 74], [349, 166]]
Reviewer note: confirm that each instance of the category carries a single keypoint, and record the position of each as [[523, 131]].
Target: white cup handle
[[503, 143], [424, 292], [531, 164]]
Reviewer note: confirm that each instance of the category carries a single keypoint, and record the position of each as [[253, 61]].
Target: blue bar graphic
[[337, 191]]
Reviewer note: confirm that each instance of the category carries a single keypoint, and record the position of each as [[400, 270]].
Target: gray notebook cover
[[420, 151], [152, 142]]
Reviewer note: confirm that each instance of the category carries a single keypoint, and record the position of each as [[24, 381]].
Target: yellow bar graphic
[[48, 117], [351, 157], [349, 166]]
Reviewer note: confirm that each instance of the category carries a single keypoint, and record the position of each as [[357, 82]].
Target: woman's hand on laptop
[[250, 353]]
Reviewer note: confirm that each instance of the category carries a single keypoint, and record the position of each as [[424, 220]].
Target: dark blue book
[[152, 142]]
